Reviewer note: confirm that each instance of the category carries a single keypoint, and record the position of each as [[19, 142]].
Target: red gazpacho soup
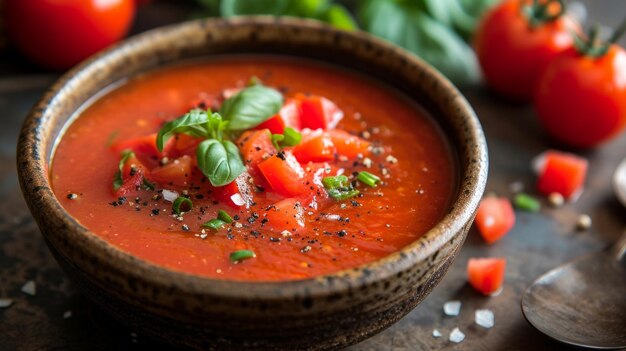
[[255, 168]]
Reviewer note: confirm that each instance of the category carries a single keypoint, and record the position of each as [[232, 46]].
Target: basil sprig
[[218, 157], [251, 106], [339, 187]]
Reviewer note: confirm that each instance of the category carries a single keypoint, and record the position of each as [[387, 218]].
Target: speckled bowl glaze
[[327, 312]]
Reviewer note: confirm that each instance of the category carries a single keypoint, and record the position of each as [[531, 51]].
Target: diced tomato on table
[[495, 218], [560, 172], [486, 275]]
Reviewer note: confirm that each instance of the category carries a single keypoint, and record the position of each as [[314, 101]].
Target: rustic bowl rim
[[463, 206]]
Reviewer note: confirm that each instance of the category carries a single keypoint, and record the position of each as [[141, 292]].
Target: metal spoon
[[583, 302]]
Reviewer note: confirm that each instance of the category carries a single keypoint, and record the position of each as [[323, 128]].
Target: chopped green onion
[[339, 187], [225, 217], [291, 137], [182, 204], [526, 203], [368, 178], [214, 224], [240, 255]]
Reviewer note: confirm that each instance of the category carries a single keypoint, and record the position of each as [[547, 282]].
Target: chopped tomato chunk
[[132, 166], [130, 184], [144, 148], [495, 218], [284, 174], [318, 112], [176, 172], [237, 193], [349, 145], [486, 274], [255, 146], [561, 172], [288, 116], [316, 146], [287, 214]]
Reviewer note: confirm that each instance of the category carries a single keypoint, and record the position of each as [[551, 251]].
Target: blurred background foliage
[[439, 31]]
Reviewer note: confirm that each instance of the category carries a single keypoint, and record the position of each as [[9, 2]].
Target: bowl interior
[[308, 39]]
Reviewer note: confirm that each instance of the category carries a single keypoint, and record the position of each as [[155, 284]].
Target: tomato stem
[[592, 46], [541, 11]]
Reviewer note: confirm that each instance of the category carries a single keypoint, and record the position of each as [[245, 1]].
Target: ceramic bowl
[[326, 312]]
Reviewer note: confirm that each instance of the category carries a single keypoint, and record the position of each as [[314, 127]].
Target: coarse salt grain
[[456, 336], [583, 222], [436, 333], [452, 308], [169, 195], [237, 199], [67, 314], [484, 318], [4, 303], [29, 288]]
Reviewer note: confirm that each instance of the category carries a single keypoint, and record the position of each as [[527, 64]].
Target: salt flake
[[456, 336], [5, 303], [452, 308], [29, 288], [169, 195], [237, 199], [436, 333], [484, 318]]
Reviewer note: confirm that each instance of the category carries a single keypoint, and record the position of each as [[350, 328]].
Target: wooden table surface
[[538, 242]]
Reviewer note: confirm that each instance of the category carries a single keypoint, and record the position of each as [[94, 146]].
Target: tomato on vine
[[517, 39], [581, 96]]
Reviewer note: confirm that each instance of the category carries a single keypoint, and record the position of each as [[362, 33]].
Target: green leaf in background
[[251, 107], [413, 29], [338, 16], [219, 161], [230, 8]]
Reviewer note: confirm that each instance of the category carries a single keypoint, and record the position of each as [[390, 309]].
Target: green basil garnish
[[219, 161], [339, 187], [223, 216], [215, 223], [250, 107], [368, 178], [117, 179], [193, 123]]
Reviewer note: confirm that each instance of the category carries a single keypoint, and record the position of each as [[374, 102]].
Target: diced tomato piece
[[176, 172], [316, 146], [495, 218], [318, 112], [255, 146], [486, 274], [132, 166], [130, 184], [180, 145], [562, 173], [144, 148], [240, 187], [284, 174], [349, 145], [287, 214], [288, 116]]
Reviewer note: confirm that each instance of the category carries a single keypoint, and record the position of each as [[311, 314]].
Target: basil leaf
[[230, 8], [251, 107], [219, 161], [339, 187], [117, 179], [193, 123], [413, 29]]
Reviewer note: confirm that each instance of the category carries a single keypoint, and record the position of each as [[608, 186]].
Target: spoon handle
[[619, 248]]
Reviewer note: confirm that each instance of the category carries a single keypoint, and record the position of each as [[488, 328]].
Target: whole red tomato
[[60, 33], [517, 39], [581, 99]]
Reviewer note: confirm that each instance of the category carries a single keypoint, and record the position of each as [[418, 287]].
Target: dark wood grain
[[538, 242]]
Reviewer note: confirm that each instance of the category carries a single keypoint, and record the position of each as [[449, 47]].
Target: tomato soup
[[255, 168]]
